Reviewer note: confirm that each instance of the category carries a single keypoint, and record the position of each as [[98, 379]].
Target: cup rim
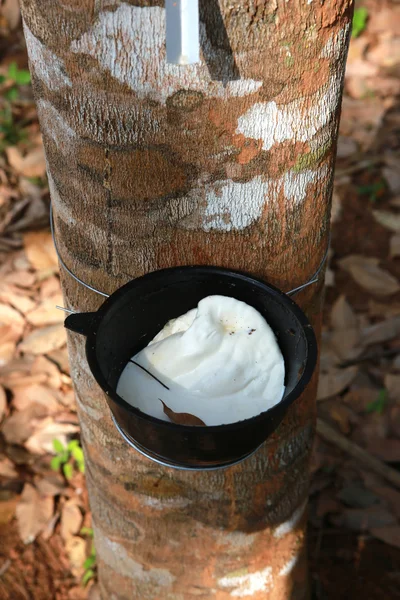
[[301, 384]]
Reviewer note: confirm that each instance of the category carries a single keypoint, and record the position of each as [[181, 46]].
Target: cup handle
[[83, 323]]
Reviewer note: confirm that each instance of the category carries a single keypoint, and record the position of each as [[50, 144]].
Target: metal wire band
[[127, 438], [62, 263], [296, 290]]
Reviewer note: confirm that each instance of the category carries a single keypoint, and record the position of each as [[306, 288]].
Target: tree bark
[[229, 162]]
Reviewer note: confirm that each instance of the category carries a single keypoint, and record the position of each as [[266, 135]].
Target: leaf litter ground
[[354, 521]]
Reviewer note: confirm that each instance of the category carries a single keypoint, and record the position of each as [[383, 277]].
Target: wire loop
[[313, 279]]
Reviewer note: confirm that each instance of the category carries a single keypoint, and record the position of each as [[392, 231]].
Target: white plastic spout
[[182, 31]]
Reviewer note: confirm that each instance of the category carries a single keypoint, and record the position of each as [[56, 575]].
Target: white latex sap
[[220, 361]]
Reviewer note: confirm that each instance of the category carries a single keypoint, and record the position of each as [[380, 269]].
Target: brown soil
[[346, 566], [38, 571], [343, 564]]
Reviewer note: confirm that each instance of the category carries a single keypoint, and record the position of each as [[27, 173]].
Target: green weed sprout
[[68, 457], [89, 565]]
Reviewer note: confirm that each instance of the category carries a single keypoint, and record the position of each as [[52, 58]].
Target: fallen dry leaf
[[10, 333], [19, 455], [3, 403], [50, 287], [359, 519], [19, 378], [326, 504], [24, 396], [71, 520], [335, 381], [384, 86], [21, 263], [342, 315], [60, 357], [388, 219], [33, 513], [389, 535], [328, 355], [394, 246], [329, 277], [396, 363], [363, 119], [329, 274], [182, 418], [391, 174], [42, 341], [31, 165], [8, 509], [68, 399], [94, 593], [379, 309], [336, 211], [394, 419], [10, 316], [390, 496], [346, 146], [342, 415], [346, 343], [35, 216], [19, 366], [386, 449], [49, 529], [7, 469], [40, 250], [76, 551], [51, 485], [19, 301], [357, 48], [67, 417], [345, 336], [10, 11], [381, 332], [357, 496], [47, 273], [395, 202], [392, 384], [46, 312], [29, 189], [22, 303], [386, 20], [366, 272], [356, 87], [360, 398], [22, 279], [20, 425], [386, 52], [41, 365], [45, 431], [358, 68], [78, 593], [7, 352], [371, 429]]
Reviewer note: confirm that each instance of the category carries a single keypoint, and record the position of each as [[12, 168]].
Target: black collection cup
[[131, 317]]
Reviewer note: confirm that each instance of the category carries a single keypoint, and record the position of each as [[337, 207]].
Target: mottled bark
[[150, 165]]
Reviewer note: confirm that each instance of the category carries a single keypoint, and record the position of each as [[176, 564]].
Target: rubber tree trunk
[[228, 162]]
